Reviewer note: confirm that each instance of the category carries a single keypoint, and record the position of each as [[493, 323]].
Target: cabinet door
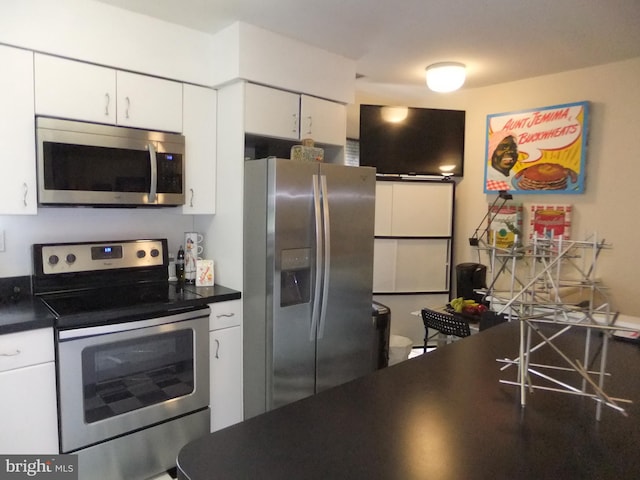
[[226, 377], [75, 90], [422, 265], [149, 102], [28, 411], [384, 207], [422, 209], [17, 133], [405, 265], [323, 121], [271, 112], [199, 129]]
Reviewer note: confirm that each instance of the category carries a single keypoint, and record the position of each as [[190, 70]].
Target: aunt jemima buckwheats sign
[[537, 151]]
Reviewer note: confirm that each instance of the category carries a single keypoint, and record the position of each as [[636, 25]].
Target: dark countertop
[[443, 415], [29, 313]]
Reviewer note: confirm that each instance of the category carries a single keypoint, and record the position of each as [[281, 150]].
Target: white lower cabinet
[[225, 347], [28, 407]]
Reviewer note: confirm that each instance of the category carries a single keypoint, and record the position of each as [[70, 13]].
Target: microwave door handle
[[153, 187]]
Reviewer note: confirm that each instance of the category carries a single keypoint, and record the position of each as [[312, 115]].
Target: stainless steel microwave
[[90, 164]]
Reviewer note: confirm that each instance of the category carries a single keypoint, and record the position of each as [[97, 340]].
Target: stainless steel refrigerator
[[308, 274]]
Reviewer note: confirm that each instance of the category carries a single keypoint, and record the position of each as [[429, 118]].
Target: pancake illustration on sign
[[545, 176]]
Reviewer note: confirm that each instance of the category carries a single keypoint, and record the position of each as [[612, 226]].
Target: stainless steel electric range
[[131, 355]]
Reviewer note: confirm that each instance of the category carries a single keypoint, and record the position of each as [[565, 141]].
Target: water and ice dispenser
[[295, 276]]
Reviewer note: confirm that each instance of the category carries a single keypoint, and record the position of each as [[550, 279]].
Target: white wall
[[608, 206], [99, 33], [250, 53], [85, 224]]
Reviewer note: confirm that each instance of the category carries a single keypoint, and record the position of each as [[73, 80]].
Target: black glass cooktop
[[121, 303]]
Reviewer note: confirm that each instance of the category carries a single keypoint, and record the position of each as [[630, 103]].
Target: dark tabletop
[[443, 415]]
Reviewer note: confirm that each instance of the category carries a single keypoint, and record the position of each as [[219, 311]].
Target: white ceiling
[[392, 41]]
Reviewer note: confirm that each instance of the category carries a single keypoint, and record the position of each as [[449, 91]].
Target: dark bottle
[[180, 265]]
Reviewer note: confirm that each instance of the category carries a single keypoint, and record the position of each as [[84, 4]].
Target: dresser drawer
[[21, 349], [225, 314]]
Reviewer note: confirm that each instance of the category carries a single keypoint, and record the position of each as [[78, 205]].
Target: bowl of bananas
[[467, 308]]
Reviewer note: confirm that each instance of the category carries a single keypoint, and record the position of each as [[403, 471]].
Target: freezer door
[[291, 226], [345, 329]]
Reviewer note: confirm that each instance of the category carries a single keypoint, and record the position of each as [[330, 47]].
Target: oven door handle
[[76, 333]]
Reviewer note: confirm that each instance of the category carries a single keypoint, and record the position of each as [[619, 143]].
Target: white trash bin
[[399, 349]]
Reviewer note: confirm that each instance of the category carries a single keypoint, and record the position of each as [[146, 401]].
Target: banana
[[459, 303]]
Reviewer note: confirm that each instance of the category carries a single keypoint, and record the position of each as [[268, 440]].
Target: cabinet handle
[[295, 123], [126, 112], [217, 348], [191, 201], [225, 315], [309, 129], [25, 187], [14, 354], [107, 102]]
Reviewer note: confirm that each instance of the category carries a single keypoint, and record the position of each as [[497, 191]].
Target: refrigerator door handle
[[315, 312], [327, 254]]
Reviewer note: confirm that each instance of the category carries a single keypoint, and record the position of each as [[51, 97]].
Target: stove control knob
[[71, 258], [155, 252], [53, 259], [140, 253]]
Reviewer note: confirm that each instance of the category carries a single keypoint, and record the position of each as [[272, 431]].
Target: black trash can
[[381, 317], [470, 276]]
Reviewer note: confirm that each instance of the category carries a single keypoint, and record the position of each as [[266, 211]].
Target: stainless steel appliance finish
[[83, 163], [308, 279], [119, 378], [132, 355], [143, 454], [81, 257]]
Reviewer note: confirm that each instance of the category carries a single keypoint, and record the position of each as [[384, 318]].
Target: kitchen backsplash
[[13, 288], [85, 224]]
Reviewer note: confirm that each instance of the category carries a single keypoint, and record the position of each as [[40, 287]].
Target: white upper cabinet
[[149, 102], [74, 90], [80, 91], [271, 112], [200, 136], [17, 133], [414, 209], [323, 121], [275, 113]]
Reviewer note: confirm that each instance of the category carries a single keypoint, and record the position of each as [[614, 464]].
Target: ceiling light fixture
[[445, 76]]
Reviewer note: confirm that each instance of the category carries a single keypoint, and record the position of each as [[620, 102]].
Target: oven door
[[115, 379]]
